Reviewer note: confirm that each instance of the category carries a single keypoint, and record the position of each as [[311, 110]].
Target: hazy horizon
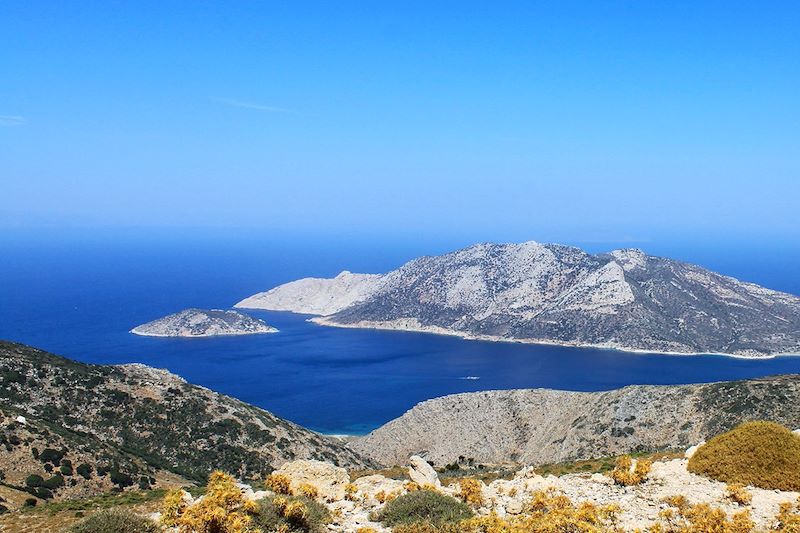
[[569, 122]]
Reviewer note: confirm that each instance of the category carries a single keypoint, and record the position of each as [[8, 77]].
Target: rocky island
[[549, 293], [203, 323]]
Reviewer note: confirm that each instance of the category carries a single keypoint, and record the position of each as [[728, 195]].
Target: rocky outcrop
[[329, 480], [422, 473], [203, 323], [316, 296], [533, 292], [538, 426]]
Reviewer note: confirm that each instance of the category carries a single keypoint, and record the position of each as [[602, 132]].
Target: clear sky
[[553, 120]]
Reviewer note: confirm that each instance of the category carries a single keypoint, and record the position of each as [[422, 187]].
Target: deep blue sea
[[78, 297]]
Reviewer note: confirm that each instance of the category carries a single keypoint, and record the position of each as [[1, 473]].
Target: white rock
[[422, 473], [514, 507], [371, 485], [21, 419], [329, 480]]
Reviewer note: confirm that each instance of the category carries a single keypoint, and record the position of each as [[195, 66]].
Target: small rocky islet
[[204, 323]]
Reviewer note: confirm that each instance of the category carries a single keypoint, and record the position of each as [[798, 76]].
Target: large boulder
[[422, 473], [329, 480]]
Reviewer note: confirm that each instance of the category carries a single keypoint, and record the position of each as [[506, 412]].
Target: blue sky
[[574, 121]]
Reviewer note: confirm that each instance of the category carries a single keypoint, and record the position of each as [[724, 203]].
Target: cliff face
[[550, 293], [203, 323], [153, 418], [539, 426]]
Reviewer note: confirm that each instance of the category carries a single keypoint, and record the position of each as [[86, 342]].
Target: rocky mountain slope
[[148, 418], [535, 292], [203, 323], [539, 426]]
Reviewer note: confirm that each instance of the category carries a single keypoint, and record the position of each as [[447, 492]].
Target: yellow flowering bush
[[223, 509], [626, 473], [278, 483]]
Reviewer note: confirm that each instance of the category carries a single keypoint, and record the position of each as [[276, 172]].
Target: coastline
[[204, 336], [435, 330]]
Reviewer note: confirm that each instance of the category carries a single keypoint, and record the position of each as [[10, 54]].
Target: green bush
[[49, 455], [270, 517], [34, 480], [423, 506], [66, 467], [40, 492], [84, 470], [30, 502], [120, 479], [54, 482], [115, 521], [761, 454]]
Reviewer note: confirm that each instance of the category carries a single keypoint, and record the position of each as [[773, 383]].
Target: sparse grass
[[104, 501], [761, 454], [115, 521], [395, 472], [601, 464]]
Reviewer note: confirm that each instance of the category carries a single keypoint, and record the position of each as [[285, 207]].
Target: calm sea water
[[79, 298]]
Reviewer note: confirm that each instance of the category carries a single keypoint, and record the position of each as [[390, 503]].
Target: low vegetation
[[761, 454], [223, 509], [291, 514], [423, 506], [737, 492], [115, 521], [627, 472]]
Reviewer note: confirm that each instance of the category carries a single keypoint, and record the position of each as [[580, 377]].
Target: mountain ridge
[[540, 426]]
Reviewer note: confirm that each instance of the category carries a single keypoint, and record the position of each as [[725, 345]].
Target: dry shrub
[[385, 497], [172, 508], [350, 492], [761, 454], [678, 500], [702, 518], [223, 509], [278, 483], [308, 490], [788, 519], [291, 514], [627, 473], [411, 486], [470, 492], [548, 512], [738, 493]]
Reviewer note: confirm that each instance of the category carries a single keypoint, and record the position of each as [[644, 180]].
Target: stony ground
[[640, 505]]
